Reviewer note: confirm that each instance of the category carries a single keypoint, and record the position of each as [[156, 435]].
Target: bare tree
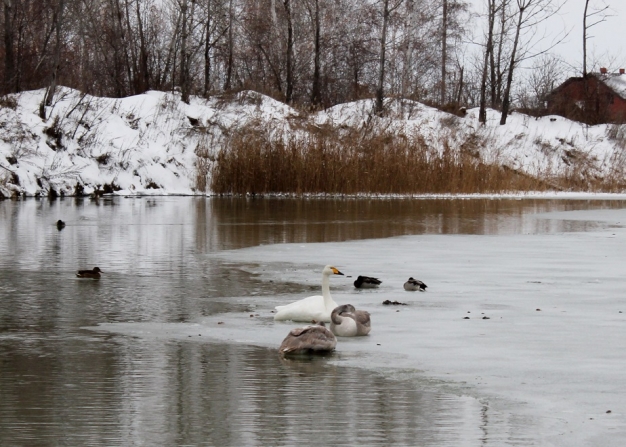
[[500, 52], [596, 16], [544, 75], [529, 14], [289, 53], [230, 46], [184, 56], [387, 10], [492, 10], [522, 8], [49, 96], [144, 72], [452, 28], [444, 50], [493, 55], [9, 55], [316, 85]]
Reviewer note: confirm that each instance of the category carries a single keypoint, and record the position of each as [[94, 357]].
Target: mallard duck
[[414, 284], [314, 339], [60, 224], [366, 282], [94, 273], [317, 307], [346, 321]]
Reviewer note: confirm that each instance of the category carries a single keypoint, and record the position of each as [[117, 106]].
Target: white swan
[[315, 339], [346, 321], [317, 307]]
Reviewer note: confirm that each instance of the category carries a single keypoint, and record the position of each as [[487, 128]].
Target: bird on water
[[93, 273]]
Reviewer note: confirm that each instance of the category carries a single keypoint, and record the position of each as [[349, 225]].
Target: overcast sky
[[608, 44]]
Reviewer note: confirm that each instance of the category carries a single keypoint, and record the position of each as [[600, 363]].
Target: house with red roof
[[594, 99]]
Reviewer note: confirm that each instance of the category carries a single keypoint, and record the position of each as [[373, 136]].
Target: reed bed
[[256, 161], [334, 163]]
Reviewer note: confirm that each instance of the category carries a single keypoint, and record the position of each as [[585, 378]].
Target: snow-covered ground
[[535, 324], [155, 144]]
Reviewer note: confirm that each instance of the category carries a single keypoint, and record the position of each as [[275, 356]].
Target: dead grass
[[350, 163]]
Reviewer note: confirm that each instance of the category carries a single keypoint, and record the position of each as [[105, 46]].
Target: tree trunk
[[289, 87], [134, 71], [482, 113], [9, 55], [381, 68], [49, 96], [169, 65], [124, 45], [184, 78], [207, 53], [315, 91], [117, 43], [496, 58], [355, 77], [229, 64], [444, 51], [144, 74], [506, 100], [585, 41], [460, 91]]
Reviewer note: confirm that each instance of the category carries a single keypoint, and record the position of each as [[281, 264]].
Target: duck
[[60, 224], [313, 339], [94, 273], [414, 284], [346, 321], [366, 282], [317, 307]]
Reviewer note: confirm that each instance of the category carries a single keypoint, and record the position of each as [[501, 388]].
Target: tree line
[[307, 53]]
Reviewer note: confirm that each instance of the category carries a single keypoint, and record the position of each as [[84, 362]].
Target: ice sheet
[[546, 333]]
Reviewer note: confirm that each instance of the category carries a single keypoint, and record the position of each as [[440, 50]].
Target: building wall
[[600, 105]]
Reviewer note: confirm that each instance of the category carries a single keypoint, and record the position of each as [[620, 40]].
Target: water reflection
[[157, 234], [132, 392], [240, 222]]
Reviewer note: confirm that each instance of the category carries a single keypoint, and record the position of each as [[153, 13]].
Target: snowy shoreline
[[521, 195], [154, 144]]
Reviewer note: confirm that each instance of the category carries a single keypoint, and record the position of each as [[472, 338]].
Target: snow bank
[[155, 144]]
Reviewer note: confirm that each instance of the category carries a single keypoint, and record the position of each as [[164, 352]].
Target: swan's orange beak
[[335, 271]]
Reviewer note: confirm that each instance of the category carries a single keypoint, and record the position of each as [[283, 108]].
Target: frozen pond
[[176, 344]]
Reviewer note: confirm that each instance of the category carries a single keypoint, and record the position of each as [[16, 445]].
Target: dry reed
[[255, 161]]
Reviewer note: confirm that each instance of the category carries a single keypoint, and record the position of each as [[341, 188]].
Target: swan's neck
[[335, 318], [328, 300]]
